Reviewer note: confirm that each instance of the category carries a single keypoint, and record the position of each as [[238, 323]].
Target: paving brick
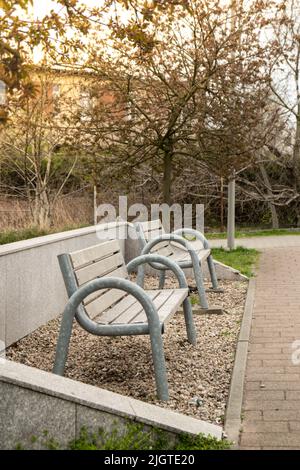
[[248, 416], [266, 349], [267, 340], [294, 425], [276, 448], [266, 370], [276, 362], [265, 395], [252, 386], [271, 405], [254, 363], [295, 385], [263, 426], [249, 448], [293, 395], [265, 333], [281, 415], [292, 369], [272, 439], [272, 377]]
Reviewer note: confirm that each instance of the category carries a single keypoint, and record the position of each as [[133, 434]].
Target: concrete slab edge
[[104, 400], [233, 420], [235, 273], [36, 242]]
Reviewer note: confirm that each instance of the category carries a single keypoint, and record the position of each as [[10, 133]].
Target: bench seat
[[128, 310]]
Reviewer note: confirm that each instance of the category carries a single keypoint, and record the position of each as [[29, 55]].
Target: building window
[[56, 91], [2, 93], [85, 102]]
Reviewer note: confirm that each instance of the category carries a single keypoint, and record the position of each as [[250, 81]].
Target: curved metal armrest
[[152, 258], [196, 234], [107, 283], [169, 237], [94, 328]]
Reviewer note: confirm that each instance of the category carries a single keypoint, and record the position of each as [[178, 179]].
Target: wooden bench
[[106, 303], [188, 251]]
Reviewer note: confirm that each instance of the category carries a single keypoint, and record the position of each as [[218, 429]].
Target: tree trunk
[[272, 207], [167, 179], [296, 153], [42, 214], [222, 228], [95, 205]]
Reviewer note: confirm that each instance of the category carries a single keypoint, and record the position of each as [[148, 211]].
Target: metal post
[[162, 279], [95, 205], [231, 214]]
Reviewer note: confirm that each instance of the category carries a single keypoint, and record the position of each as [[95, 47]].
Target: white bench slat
[[163, 298], [99, 268], [134, 310], [195, 244], [167, 310], [120, 272], [129, 310], [116, 310], [151, 224], [158, 301], [89, 255], [165, 251], [102, 303], [157, 232], [182, 255]]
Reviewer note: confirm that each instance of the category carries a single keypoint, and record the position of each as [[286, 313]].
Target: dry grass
[[70, 211]]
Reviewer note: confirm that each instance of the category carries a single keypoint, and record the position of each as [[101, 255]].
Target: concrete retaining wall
[[37, 406], [31, 285]]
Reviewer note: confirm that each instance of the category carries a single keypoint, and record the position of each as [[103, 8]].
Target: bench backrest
[[154, 229], [82, 266]]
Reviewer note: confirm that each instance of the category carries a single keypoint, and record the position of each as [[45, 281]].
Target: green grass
[[11, 236], [134, 437], [243, 259], [252, 233]]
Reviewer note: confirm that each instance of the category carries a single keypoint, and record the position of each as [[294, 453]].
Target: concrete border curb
[[234, 405], [34, 400]]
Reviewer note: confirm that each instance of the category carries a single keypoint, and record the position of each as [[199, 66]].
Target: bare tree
[[179, 95], [285, 83], [29, 148]]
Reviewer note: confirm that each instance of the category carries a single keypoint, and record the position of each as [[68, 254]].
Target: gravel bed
[[199, 377]]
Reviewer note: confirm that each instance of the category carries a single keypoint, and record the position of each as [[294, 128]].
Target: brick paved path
[[271, 407]]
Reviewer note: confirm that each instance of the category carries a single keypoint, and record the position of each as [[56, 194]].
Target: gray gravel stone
[[124, 364]]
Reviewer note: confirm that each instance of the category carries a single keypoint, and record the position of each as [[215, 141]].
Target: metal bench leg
[[200, 285], [63, 342], [140, 280], [212, 271], [159, 364], [189, 322], [162, 278]]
